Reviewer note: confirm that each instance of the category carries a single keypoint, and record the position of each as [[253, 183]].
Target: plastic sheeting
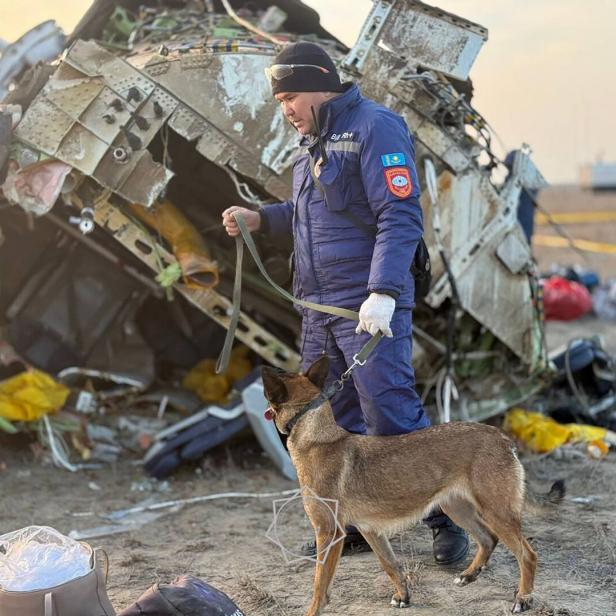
[[39, 557], [565, 300], [604, 300], [37, 187], [30, 395], [542, 434], [212, 387]]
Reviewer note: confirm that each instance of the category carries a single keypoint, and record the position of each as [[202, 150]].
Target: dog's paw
[[521, 605], [462, 580], [466, 578], [400, 603]]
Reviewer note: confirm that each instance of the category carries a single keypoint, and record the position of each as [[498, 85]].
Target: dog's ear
[[317, 373], [273, 386]]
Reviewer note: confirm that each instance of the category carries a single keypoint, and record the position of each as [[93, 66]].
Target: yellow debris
[[212, 387], [598, 449], [542, 434], [553, 241], [30, 395]]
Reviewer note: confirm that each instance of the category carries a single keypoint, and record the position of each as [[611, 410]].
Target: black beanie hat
[[306, 78]]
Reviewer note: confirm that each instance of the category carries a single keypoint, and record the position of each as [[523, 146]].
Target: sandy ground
[[224, 543]]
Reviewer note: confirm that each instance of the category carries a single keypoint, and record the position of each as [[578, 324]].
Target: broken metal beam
[[215, 305]]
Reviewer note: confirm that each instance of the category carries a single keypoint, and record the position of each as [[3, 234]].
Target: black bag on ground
[[185, 596]]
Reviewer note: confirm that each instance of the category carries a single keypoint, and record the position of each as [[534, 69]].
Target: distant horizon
[[539, 79]]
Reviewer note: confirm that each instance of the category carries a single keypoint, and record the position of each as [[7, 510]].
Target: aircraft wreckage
[[157, 116]]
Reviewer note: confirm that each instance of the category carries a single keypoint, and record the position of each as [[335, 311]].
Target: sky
[[546, 75]]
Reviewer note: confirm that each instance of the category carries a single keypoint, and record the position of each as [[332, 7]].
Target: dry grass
[[256, 599]]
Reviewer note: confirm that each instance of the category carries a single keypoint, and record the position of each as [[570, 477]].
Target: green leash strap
[[362, 356], [225, 355], [245, 237], [252, 248]]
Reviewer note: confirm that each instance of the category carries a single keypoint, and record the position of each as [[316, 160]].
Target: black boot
[[354, 543], [450, 541]]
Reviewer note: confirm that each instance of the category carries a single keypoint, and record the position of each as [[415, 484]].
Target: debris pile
[[117, 160]]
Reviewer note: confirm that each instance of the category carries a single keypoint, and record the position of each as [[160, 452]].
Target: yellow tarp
[[542, 434], [30, 395], [212, 387]]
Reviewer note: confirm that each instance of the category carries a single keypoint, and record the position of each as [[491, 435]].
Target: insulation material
[[198, 269]]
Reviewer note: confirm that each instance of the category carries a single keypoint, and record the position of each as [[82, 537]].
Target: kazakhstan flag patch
[[393, 160]]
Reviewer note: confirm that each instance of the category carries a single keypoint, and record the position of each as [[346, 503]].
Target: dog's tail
[[545, 500]]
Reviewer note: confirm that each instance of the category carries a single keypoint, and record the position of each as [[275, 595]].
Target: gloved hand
[[375, 314]]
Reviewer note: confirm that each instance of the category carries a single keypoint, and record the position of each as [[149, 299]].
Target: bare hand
[[253, 220]]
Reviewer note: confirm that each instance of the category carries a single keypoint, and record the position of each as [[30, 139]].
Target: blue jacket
[[370, 175]]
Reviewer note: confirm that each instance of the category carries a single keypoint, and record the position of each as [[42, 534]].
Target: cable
[[59, 450], [445, 386], [243, 189], [196, 499]]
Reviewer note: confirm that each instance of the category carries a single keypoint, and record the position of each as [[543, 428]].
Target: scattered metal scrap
[[156, 104], [40, 44]]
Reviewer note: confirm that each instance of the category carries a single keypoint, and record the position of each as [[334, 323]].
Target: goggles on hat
[[281, 71]]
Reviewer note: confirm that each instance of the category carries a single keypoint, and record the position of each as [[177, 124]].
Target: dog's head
[[287, 392]]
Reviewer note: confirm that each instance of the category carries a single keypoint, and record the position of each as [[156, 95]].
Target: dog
[[385, 483]]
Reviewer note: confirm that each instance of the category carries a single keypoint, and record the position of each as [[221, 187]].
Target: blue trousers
[[381, 398]]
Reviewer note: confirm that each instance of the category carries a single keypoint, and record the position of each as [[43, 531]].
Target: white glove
[[375, 314]]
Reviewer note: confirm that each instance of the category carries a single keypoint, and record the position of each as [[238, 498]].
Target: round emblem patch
[[400, 181]]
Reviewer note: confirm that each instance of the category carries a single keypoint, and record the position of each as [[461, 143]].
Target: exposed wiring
[[243, 189], [59, 450], [456, 110], [445, 384]]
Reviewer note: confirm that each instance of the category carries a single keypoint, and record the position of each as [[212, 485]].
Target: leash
[[245, 238], [358, 360]]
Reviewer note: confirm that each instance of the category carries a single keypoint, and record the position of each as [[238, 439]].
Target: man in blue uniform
[[356, 222]]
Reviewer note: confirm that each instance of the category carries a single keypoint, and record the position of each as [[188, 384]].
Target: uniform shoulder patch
[[399, 181], [394, 159]]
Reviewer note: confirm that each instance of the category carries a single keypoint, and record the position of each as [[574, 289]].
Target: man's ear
[[273, 386], [317, 373]]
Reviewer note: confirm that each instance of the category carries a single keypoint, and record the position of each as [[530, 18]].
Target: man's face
[[296, 108]]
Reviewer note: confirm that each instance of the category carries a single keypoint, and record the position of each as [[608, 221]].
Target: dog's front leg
[[327, 560]]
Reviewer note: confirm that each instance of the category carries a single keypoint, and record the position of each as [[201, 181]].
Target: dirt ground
[[224, 543]]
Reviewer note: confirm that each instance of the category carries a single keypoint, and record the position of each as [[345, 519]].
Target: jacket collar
[[331, 109]]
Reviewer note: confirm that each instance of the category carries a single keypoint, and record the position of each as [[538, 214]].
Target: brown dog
[[385, 483]]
